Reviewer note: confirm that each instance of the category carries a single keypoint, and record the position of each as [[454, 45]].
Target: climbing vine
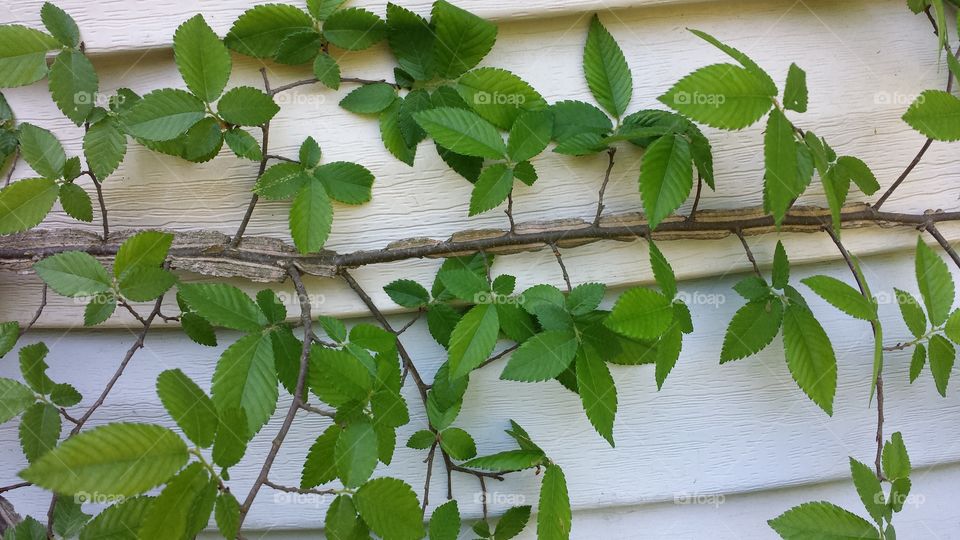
[[487, 124]]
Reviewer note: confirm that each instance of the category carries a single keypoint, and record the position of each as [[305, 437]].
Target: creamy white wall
[[743, 431]]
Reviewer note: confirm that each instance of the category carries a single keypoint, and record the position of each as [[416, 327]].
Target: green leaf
[[721, 95], [512, 522], [511, 460], [662, 271], [421, 440], [458, 444], [60, 25], [227, 515], [810, 356], [65, 395], [869, 488], [473, 339], [34, 368], [462, 39], [912, 313], [822, 520], [73, 85], [554, 515], [203, 60], [917, 361], [356, 453], [666, 177], [146, 284], [327, 71], [668, 351], [895, 460], [936, 283], [752, 328], [163, 114], [23, 55], [369, 98], [597, 391], [39, 430], [492, 188], [9, 333], [73, 274], [246, 378], [499, 96], [354, 29], [169, 515], [14, 399], [299, 48], [392, 134], [529, 135], [795, 93], [391, 509], [346, 182], [189, 406], [104, 146], [118, 522], [232, 436], [76, 203], [28, 529], [243, 144], [272, 306], [935, 114], [338, 377], [311, 216], [198, 329], [850, 168], [542, 357], [24, 204], [42, 151], [606, 70], [224, 305], [120, 459], [281, 181], [68, 517], [585, 298], [445, 522], [842, 296], [744, 60], [342, 521], [247, 106], [640, 314], [407, 293], [942, 354], [259, 31], [320, 466], [781, 267], [782, 182], [309, 153], [147, 249], [411, 40], [334, 328], [462, 131]]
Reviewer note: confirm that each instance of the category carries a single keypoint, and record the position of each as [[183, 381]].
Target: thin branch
[[411, 322], [696, 199], [934, 232], [498, 356], [913, 163], [132, 311], [265, 129], [103, 205], [289, 489], [295, 405], [429, 474], [876, 461], [563, 267], [316, 410], [509, 211], [36, 315], [378, 315], [314, 80], [603, 187], [66, 416], [12, 487], [749, 252], [281, 158]]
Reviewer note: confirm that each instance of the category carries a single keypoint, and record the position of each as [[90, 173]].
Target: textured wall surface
[[720, 449]]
